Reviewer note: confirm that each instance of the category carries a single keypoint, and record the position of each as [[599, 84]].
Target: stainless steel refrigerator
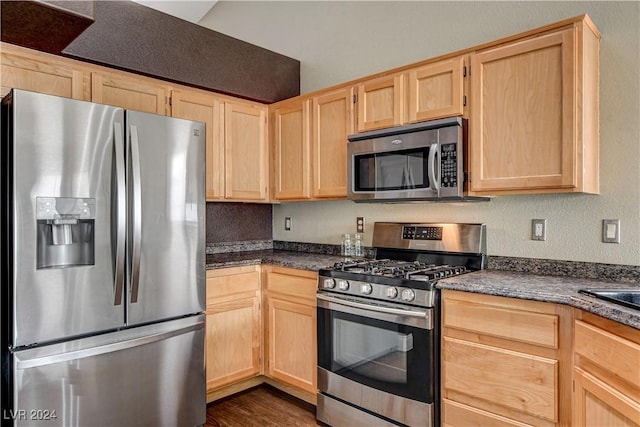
[[103, 277]]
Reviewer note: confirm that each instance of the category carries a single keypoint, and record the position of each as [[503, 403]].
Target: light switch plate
[[287, 223], [611, 231], [538, 229]]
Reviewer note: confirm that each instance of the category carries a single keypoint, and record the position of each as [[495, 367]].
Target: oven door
[[388, 347]]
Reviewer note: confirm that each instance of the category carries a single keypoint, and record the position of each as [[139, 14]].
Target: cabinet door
[[292, 343], [39, 72], [123, 90], [436, 90], [232, 341], [332, 123], [292, 150], [380, 103], [523, 129], [246, 155], [207, 108], [596, 403]]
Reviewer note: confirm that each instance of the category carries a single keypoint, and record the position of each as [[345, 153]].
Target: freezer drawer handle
[[120, 214], [103, 349], [136, 212]]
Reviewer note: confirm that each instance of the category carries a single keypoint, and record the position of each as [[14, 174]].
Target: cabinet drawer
[[608, 351], [297, 283], [456, 414], [499, 321], [512, 379]]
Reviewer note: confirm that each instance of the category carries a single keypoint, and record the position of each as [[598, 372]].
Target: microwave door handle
[[431, 164]]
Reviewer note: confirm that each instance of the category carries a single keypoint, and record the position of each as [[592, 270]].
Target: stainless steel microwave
[[422, 161]]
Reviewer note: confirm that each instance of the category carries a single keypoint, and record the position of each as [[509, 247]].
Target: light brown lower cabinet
[[261, 327], [290, 329], [234, 328], [505, 361], [606, 373]]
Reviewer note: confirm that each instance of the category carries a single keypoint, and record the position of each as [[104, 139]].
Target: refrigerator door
[[68, 210], [166, 241], [146, 376]]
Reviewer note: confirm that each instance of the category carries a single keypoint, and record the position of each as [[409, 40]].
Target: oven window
[[397, 170], [395, 358]]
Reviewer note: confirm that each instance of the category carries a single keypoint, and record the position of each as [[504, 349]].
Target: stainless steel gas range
[[379, 324]]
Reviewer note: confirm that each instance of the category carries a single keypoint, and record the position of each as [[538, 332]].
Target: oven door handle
[[421, 315]]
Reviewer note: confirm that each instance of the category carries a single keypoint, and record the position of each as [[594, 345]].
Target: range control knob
[[328, 284], [391, 292], [408, 295], [365, 288], [343, 285]]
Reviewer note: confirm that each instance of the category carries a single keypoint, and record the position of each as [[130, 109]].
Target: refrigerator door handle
[[120, 213], [111, 347], [136, 213]]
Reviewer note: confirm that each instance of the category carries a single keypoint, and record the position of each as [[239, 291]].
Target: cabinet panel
[[598, 404], [516, 380], [380, 103], [518, 325], [456, 414], [523, 124], [127, 91], [332, 123], [246, 152], [206, 108], [232, 341], [39, 72], [292, 150], [614, 354], [292, 343], [436, 90]]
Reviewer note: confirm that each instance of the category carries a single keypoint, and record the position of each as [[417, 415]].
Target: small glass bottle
[[358, 249], [347, 245]]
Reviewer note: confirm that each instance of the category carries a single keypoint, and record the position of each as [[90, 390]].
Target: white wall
[[341, 41]]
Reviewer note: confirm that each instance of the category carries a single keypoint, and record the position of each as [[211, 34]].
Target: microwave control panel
[[449, 165]]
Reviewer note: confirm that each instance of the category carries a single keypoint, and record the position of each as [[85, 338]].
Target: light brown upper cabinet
[[129, 91], [436, 90], [534, 114], [332, 121], [380, 102], [27, 69], [207, 108], [291, 142], [246, 152], [427, 92]]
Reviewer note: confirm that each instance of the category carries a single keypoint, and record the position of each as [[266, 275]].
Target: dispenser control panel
[[65, 208]]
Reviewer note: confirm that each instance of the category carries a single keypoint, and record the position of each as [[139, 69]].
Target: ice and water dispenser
[[66, 231]]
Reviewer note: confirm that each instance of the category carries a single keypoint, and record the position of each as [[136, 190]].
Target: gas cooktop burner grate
[[409, 270]]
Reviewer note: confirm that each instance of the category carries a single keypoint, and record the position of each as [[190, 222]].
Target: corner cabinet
[[233, 327], [291, 149], [505, 361], [606, 373], [236, 143], [246, 152], [534, 114], [290, 330]]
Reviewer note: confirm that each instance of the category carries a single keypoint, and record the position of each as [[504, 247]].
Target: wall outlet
[[360, 224], [538, 229], [287, 223], [611, 231]]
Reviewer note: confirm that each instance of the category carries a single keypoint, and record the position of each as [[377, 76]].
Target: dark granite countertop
[[291, 259], [554, 289]]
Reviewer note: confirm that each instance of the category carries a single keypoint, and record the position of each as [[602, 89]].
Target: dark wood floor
[[262, 406]]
